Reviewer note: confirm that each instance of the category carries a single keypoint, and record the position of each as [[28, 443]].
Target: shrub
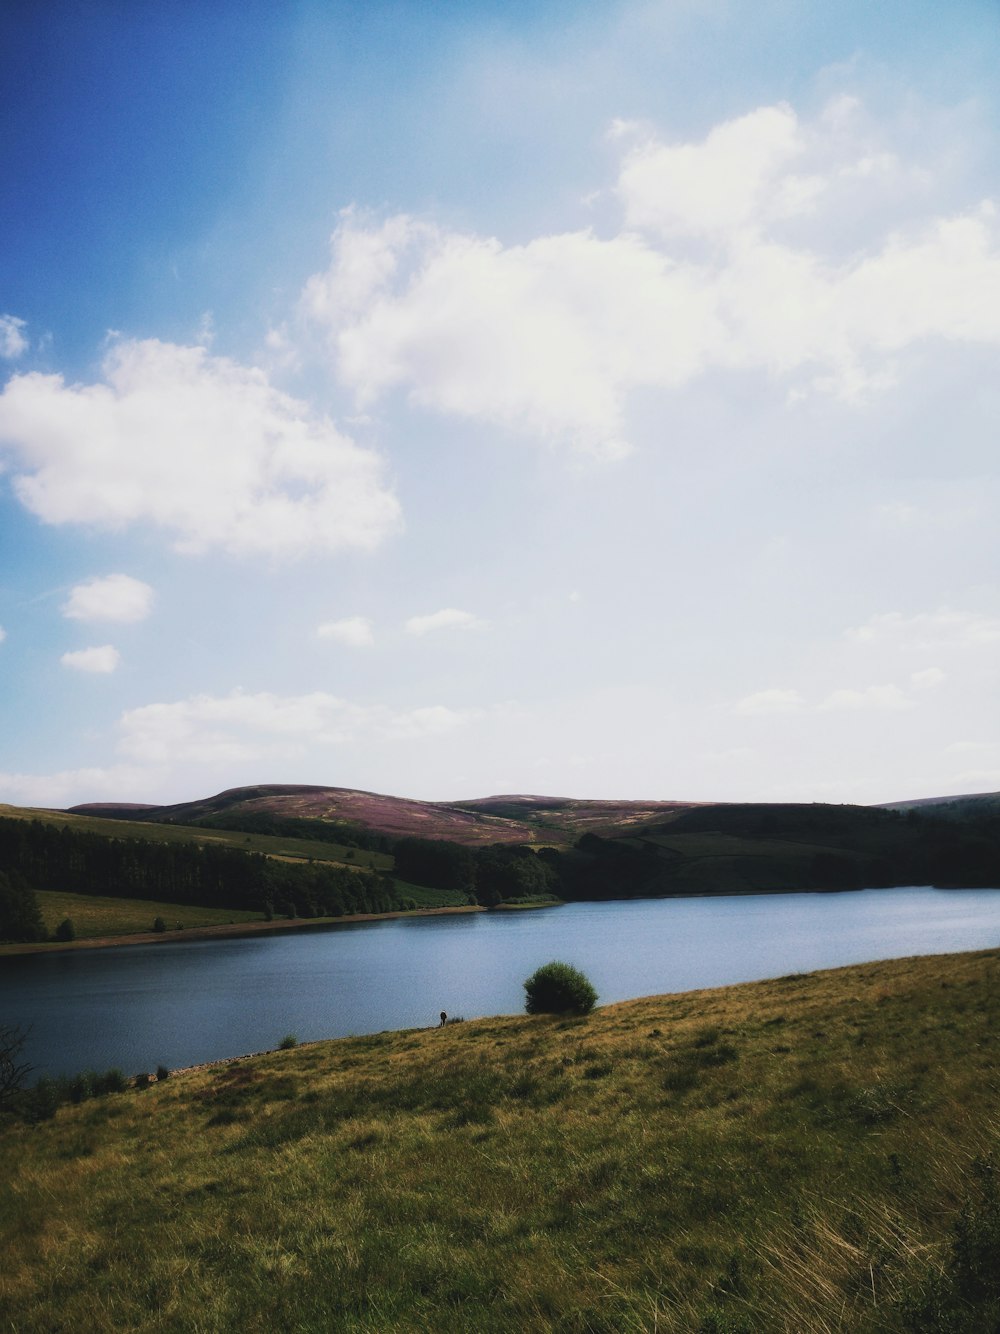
[[159, 925], [82, 1086], [13, 1069], [65, 930], [162, 1073], [112, 1081], [142, 1080], [288, 1041], [556, 988]]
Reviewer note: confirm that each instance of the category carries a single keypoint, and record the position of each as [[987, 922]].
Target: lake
[[184, 1002]]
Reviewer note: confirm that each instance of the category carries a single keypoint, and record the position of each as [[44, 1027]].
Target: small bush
[[159, 925], [82, 1086], [288, 1041], [65, 930], [557, 988], [162, 1072], [112, 1081], [142, 1080]]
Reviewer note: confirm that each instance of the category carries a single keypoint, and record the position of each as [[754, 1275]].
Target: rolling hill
[[542, 821]]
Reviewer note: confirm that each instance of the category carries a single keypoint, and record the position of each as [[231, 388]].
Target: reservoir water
[[184, 1002]]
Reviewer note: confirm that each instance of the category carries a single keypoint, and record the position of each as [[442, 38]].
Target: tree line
[[35, 855], [740, 848]]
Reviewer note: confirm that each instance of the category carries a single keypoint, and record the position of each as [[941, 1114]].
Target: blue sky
[[585, 399]]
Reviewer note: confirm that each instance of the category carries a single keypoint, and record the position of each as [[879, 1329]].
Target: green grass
[[424, 897], [296, 849], [93, 916], [782, 1156]]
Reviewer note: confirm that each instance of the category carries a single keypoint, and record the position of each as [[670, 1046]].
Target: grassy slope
[[787, 1153], [93, 916], [296, 849]]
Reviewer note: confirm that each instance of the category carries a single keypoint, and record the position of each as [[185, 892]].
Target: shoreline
[[234, 929], [222, 929]]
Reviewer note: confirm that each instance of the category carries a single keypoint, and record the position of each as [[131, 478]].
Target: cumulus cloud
[[241, 726], [13, 342], [726, 258], [354, 631], [928, 678], [871, 697], [449, 618], [877, 697], [198, 445], [737, 177], [115, 597], [69, 786], [944, 628], [770, 701], [104, 658]]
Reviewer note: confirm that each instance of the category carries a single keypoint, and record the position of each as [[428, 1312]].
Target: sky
[[448, 399]]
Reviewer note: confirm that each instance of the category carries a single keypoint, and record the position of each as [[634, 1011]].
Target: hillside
[[253, 850], [554, 821], [972, 806], [810, 1153]]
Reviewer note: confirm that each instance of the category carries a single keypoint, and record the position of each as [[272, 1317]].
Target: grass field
[[424, 897], [93, 916], [296, 849], [791, 1156]]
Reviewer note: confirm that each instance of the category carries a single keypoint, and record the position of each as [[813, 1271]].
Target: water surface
[[180, 1003]]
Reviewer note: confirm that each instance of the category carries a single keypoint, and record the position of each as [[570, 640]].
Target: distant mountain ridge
[[515, 818], [969, 806]]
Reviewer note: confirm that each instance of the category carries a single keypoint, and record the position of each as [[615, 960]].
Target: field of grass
[[789, 1156], [93, 916], [296, 849], [424, 897]]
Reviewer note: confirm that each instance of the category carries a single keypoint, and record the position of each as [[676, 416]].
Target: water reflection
[[186, 1002]]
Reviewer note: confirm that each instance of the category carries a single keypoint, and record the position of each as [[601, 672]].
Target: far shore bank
[[223, 929]]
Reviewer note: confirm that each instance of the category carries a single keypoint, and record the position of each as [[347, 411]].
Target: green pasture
[[810, 1154], [93, 916]]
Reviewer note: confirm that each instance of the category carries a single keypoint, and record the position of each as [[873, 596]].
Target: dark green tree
[[558, 988], [20, 915]]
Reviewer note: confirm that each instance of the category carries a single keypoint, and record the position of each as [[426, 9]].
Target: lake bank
[[181, 1001], [223, 930], [790, 1154]]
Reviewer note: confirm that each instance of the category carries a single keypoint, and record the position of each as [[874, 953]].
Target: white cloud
[[928, 678], [115, 597], [3, 634], [944, 628], [70, 786], [100, 659], [871, 697], [731, 180], [770, 701], [449, 618], [12, 340], [879, 697], [544, 338], [354, 631], [227, 729], [203, 447], [433, 720], [727, 257]]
